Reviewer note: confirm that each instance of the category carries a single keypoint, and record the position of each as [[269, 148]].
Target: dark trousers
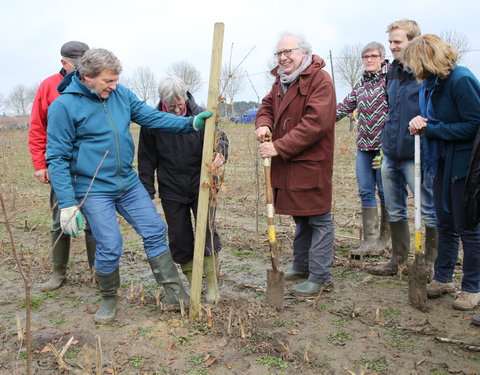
[[450, 231], [181, 238]]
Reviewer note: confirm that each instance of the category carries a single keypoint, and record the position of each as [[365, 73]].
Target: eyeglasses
[[174, 107], [370, 57], [286, 52]]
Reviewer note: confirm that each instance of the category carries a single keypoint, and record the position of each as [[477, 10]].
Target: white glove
[[71, 220]]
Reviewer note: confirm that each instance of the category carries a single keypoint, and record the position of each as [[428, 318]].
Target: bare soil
[[365, 326]]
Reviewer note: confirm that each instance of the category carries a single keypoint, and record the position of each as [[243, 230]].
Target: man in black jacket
[[398, 167], [177, 159]]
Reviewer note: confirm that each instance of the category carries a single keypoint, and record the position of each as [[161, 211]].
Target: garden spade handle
[[272, 237], [417, 196]]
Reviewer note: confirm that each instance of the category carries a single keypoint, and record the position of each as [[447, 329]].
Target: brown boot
[[369, 222], [400, 234]]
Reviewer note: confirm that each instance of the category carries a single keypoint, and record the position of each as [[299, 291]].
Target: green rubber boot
[[60, 254], [187, 270], [309, 288], [292, 274], [108, 286], [369, 226], [400, 233], [210, 269], [166, 274]]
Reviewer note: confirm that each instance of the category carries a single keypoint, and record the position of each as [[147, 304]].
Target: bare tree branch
[[458, 41], [144, 84], [188, 73], [349, 65]]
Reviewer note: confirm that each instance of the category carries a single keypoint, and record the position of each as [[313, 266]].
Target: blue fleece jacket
[[456, 101], [82, 127]]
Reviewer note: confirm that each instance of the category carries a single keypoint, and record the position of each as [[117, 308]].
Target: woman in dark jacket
[[177, 160], [450, 118]]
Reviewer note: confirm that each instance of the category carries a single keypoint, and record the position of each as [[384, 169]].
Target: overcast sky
[[157, 33]]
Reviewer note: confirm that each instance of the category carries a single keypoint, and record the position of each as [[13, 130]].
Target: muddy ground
[[365, 326]]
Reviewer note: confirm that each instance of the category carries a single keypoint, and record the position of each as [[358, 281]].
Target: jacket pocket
[[305, 175]]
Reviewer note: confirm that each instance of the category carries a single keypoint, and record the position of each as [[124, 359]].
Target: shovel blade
[[275, 289], [417, 283]]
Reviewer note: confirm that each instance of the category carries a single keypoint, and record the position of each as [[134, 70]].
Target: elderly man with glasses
[[176, 160], [295, 126]]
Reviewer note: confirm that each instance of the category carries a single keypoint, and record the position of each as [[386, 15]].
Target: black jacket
[[176, 158], [472, 188], [403, 105]]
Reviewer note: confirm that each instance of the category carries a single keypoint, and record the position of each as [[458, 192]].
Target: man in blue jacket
[[398, 167], [90, 153]]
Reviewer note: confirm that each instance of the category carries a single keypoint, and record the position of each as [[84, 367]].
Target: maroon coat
[[302, 122]]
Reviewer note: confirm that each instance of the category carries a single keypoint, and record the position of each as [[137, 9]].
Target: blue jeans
[[450, 231], [313, 246], [137, 209], [396, 175], [368, 179]]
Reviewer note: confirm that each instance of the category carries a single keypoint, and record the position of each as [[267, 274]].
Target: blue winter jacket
[[402, 96], [456, 101], [82, 127]]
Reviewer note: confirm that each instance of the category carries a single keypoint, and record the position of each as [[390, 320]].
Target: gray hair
[[302, 43], [372, 46], [171, 88], [96, 60]]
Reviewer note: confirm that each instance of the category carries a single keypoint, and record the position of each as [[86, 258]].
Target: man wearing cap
[[71, 53]]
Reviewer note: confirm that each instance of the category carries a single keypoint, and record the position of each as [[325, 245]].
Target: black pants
[[181, 230]]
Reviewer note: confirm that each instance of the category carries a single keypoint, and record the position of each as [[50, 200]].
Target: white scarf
[[289, 78]]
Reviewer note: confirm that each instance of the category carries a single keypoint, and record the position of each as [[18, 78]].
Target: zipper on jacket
[[116, 143]]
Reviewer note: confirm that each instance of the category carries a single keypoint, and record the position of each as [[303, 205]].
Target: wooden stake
[[182, 307], [377, 316], [86, 359], [209, 317], [98, 356], [19, 328], [204, 189], [229, 325], [140, 292], [242, 328], [200, 313], [132, 290], [157, 297]]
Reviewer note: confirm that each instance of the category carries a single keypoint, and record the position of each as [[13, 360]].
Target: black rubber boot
[[431, 251], [400, 233], [108, 286], [369, 225], [91, 248], [60, 254], [165, 273]]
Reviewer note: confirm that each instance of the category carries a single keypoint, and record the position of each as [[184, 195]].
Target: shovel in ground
[[275, 278], [417, 275]]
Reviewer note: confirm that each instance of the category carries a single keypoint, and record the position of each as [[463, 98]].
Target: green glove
[[71, 220], [377, 161], [199, 120]]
